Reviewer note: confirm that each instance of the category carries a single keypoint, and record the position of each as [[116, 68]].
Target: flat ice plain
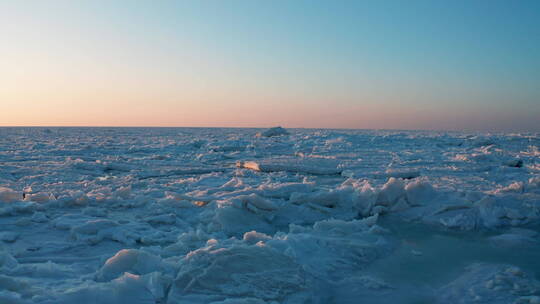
[[230, 216]]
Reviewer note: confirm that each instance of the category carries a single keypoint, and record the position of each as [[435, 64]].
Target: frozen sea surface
[[248, 216]]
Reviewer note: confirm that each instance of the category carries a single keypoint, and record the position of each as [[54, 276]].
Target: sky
[[443, 65]]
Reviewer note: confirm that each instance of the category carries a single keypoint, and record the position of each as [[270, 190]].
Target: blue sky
[[471, 65]]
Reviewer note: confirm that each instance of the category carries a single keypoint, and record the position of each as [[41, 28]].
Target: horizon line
[[259, 127]]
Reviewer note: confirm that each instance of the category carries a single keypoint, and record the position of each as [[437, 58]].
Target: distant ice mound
[[276, 131]]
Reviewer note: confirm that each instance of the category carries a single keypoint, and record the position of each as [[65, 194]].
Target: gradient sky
[[472, 65]]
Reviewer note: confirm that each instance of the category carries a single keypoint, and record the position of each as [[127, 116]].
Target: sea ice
[[181, 215]]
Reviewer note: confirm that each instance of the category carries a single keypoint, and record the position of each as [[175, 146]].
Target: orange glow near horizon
[[71, 63]]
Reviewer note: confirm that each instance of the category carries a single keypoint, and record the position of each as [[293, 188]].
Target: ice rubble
[[488, 283], [220, 216], [284, 268]]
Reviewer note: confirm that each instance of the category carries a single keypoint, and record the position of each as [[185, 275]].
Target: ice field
[[252, 216]]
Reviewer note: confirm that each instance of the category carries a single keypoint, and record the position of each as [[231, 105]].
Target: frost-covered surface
[[159, 215]]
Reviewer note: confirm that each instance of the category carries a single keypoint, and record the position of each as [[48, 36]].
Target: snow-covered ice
[[202, 215]]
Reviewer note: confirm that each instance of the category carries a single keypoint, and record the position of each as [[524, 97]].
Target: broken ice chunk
[[9, 196], [40, 197], [253, 202], [296, 165], [128, 260]]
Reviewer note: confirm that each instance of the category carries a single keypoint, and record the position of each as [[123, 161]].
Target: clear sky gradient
[[472, 65]]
